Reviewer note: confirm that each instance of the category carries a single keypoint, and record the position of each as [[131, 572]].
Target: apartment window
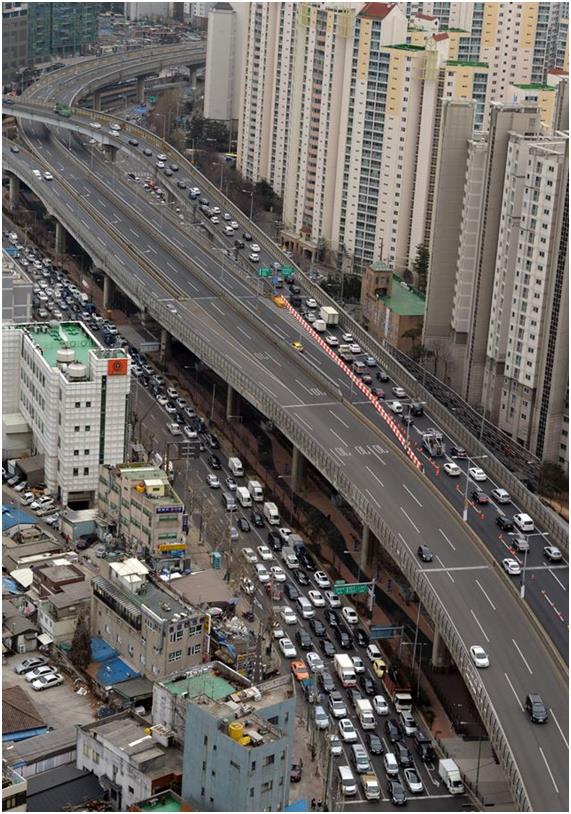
[[176, 635], [86, 470], [86, 452], [234, 765], [195, 649], [76, 429], [267, 786], [77, 404], [75, 472], [88, 428], [76, 452], [269, 760], [88, 404], [176, 655]]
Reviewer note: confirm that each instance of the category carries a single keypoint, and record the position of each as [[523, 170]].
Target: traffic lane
[[438, 802], [518, 672]]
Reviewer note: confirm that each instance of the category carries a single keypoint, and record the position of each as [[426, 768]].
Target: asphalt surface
[[463, 578]]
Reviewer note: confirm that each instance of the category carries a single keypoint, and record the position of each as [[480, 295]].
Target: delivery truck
[[450, 775], [345, 670], [329, 315], [398, 690], [364, 712], [271, 514]]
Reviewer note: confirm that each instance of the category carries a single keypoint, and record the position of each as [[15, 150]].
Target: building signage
[[117, 367], [168, 509], [172, 547]]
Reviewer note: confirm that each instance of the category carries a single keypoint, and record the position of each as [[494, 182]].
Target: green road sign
[[264, 272], [340, 582], [151, 99], [287, 271], [355, 588]]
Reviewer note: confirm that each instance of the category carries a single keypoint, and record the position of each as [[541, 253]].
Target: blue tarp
[[114, 671], [10, 586], [100, 650], [298, 805], [13, 516]]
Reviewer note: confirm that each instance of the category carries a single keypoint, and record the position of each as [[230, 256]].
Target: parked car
[[30, 664]]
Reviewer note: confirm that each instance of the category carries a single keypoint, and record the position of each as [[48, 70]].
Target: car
[[291, 591], [288, 615], [48, 176], [315, 662], [133, 142], [398, 392], [479, 656], [536, 709], [331, 617], [320, 718], [306, 560], [278, 632], [413, 781], [303, 639], [235, 225], [511, 567], [354, 695], [500, 495], [326, 646], [523, 523], [247, 236], [253, 257], [504, 523], [347, 730], [367, 684], [393, 730], [424, 553], [318, 627], [287, 648], [213, 462], [30, 664], [326, 682], [316, 599], [403, 755], [380, 705], [249, 555], [335, 745], [407, 420], [347, 337], [297, 346], [53, 519], [332, 341], [38, 672], [255, 248], [20, 487], [257, 520], [160, 165], [396, 792], [350, 615], [299, 669], [479, 497], [262, 572], [452, 469], [265, 553], [477, 474], [27, 498], [300, 577], [243, 524], [321, 579], [332, 599], [174, 429], [370, 361], [277, 573], [213, 481], [284, 533], [408, 723], [170, 408], [395, 407], [337, 705], [247, 586], [181, 184], [309, 303], [358, 664], [355, 348], [373, 652], [295, 772], [552, 553], [47, 681]]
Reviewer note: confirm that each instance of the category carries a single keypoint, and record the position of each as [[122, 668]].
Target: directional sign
[[384, 632], [340, 582], [288, 271], [264, 272], [355, 588]]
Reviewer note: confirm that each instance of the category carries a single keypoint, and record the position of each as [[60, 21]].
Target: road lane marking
[[339, 419], [485, 594], [371, 495], [405, 542], [303, 421], [412, 496], [479, 625], [242, 331], [556, 579], [522, 657], [220, 311], [375, 476], [410, 521], [377, 455], [549, 770], [268, 389], [514, 692], [455, 567], [445, 569], [565, 741], [133, 232], [331, 430], [338, 458], [450, 543], [170, 265]]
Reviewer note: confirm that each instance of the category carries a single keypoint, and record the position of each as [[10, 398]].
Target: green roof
[[51, 338], [407, 302], [534, 86], [406, 47], [164, 802], [212, 686], [454, 31], [461, 63]]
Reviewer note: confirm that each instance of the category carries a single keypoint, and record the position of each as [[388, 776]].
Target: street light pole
[[465, 511]]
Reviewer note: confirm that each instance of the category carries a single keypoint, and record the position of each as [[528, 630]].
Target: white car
[[47, 681], [27, 498], [380, 705], [347, 730], [311, 303], [175, 429], [479, 656], [172, 393], [162, 400], [332, 341], [255, 248], [249, 555], [358, 664], [332, 599], [477, 474], [347, 337], [189, 432], [48, 176], [43, 670], [161, 157], [253, 257], [373, 652], [265, 553], [500, 495], [227, 216], [288, 615], [95, 125], [552, 553], [53, 519], [413, 781], [452, 469], [511, 567], [321, 579], [278, 574], [350, 615], [247, 585], [355, 348], [231, 483], [284, 533], [395, 407], [335, 745], [117, 128], [316, 599], [262, 572], [234, 224], [287, 648], [215, 219], [399, 392], [314, 662], [19, 487], [213, 481], [408, 723], [278, 632], [30, 664]]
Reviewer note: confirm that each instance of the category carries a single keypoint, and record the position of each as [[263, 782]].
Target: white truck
[[345, 670], [244, 497], [450, 775], [255, 490], [364, 712], [235, 467], [329, 315], [271, 513], [370, 786], [320, 326]]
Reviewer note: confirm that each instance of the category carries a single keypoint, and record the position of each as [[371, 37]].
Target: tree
[[420, 267], [80, 653]]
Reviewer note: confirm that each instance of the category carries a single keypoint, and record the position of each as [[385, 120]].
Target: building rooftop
[[41, 747], [464, 63], [162, 604], [404, 46], [18, 712], [535, 86], [164, 801], [51, 338], [406, 302], [379, 10], [71, 594], [142, 471]]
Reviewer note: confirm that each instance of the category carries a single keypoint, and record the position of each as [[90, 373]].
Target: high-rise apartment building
[[224, 54], [14, 40], [61, 29]]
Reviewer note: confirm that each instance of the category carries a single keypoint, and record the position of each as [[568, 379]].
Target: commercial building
[[14, 42], [138, 500], [16, 291], [148, 11], [150, 628], [61, 29], [73, 394], [224, 54], [393, 309], [14, 788]]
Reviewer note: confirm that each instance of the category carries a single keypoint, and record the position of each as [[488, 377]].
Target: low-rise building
[[19, 631], [51, 578], [58, 615], [14, 788], [147, 513], [149, 627], [394, 310]]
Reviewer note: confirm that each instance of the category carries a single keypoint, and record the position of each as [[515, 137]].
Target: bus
[[62, 109]]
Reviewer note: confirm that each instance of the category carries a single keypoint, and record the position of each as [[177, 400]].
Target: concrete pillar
[[193, 72], [440, 656], [108, 291], [61, 241], [296, 470], [365, 542], [96, 100], [165, 346], [140, 90], [110, 152], [230, 403], [14, 191]]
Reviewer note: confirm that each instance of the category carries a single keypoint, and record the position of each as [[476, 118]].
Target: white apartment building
[[16, 291], [73, 395], [224, 53]]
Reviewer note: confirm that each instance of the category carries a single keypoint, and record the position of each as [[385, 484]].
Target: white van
[[229, 502], [271, 514], [523, 522], [347, 781], [243, 496], [320, 326], [390, 764], [255, 490], [235, 467], [306, 608]]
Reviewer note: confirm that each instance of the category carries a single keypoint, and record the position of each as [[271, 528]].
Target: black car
[[133, 142], [354, 695], [306, 560], [213, 462], [367, 684], [318, 627], [146, 151], [458, 452], [407, 420], [361, 637], [375, 744], [239, 244], [505, 523], [331, 617], [275, 542], [300, 577], [479, 497], [536, 709], [425, 752], [342, 636], [424, 553], [212, 441], [295, 773], [181, 184], [327, 647], [303, 639], [246, 236], [403, 755], [326, 681], [396, 792], [257, 520], [393, 730], [243, 524], [382, 376], [291, 591]]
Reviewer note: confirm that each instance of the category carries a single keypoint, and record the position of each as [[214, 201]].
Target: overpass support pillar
[[165, 346], [140, 90], [14, 191], [97, 100], [231, 402], [296, 470], [440, 656], [365, 545], [193, 72], [61, 240], [110, 152], [108, 292]]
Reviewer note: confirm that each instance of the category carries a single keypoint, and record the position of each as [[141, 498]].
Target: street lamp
[[409, 424], [214, 164], [525, 553], [250, 192], [465, 512]]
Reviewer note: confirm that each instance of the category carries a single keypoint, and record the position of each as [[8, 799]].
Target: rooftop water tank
[[65, 356], [236, 730], [77, 371]]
